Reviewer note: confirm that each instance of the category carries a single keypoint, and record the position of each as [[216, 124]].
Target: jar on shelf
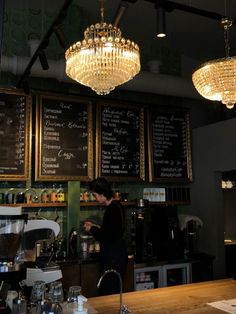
[[44, 196], [60, 194], [53, 194], [117, 196], [86, 196]]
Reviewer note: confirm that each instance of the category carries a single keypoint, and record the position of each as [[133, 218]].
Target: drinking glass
[[50, 307], [38, 291], [73, 293], [56, 291]]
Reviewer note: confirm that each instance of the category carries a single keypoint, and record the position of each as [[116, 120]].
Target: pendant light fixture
[[161, 19], [216, 79], [103, 60]]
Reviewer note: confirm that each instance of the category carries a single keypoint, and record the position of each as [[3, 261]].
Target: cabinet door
[[70, 275], [89, 279]]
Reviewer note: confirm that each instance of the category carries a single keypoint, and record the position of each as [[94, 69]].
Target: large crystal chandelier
[[104, 59], [216, 79]]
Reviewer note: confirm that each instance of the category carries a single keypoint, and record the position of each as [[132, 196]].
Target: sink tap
[[123, 308]]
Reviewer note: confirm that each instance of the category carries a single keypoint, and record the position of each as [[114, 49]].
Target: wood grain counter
[[189, 299]]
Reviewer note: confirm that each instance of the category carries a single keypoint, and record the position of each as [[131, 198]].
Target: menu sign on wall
[[15, 135], [169, 145], [64, 139], [120, 142]]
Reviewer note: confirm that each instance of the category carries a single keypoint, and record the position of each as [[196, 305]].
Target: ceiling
[[190, 34], [191, 38]]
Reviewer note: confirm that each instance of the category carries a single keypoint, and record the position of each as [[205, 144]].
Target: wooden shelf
[[25, 205], [87, 204], [92, 204], [134, 203]]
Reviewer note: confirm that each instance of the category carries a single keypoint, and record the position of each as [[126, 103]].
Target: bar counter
[[189, 299]]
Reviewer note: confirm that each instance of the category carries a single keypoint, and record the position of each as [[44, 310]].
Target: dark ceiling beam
[[44, 42], [170, 6]]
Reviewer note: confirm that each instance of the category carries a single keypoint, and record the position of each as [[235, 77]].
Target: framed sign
[[169, 145], [120, 142], [64, 141], [15, 135]]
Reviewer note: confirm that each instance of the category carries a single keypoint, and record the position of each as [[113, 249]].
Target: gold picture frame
[[64, 139], [169, 145], [116, 161], [15, 134]]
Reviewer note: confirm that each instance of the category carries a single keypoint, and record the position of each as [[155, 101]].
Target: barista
[[113, 254]]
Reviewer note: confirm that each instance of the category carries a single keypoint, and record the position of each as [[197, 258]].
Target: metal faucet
[[123, 308]]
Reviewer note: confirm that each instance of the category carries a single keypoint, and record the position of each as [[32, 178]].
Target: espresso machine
[[12, 268]]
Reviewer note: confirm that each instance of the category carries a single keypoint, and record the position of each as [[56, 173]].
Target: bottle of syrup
[[60, 194]]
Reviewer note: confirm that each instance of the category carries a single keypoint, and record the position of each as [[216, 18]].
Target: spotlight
[[61, 36], [161, 20], [43, 59]]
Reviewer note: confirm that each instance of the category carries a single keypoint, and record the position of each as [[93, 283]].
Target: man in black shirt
[[113, 254]]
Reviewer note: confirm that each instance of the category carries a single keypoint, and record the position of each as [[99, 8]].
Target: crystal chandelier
[[216, 79], [104, 59]]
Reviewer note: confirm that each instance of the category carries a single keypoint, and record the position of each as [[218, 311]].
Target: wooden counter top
[[189, 299]]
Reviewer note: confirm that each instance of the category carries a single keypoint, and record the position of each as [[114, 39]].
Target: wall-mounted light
[[161, 19]]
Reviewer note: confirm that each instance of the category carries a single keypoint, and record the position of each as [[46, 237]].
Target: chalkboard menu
[[169, 145], [64, 149], [120, 142], [15, 135]]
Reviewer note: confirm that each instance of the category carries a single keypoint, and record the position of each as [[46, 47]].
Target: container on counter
[[87, 243]]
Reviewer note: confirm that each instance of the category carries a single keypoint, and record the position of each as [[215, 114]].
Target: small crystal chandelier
[[104, 59], [216, 79]]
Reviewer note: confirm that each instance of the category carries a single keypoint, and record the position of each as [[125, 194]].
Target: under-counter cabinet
[[162, 276], [86, 274]]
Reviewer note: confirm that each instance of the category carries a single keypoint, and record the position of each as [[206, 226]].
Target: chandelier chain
[[226, 24], [102, 10]]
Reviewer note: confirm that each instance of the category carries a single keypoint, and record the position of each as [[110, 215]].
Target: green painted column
[[73, 207]]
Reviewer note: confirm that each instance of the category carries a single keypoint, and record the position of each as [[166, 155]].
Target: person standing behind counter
[[113, 254]]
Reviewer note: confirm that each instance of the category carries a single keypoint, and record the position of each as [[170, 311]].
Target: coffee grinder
[[12, 270]]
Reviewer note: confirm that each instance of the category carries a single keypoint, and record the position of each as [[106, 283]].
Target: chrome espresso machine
[[18, 238], [12, 268]]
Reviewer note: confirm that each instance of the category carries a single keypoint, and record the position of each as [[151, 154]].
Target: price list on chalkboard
[[120, 142], [14, 135], [169, 146], [65, 139]]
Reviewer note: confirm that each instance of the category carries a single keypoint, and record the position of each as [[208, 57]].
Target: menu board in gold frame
[[120, 142], [64, 139], [169, 147], [15, 135]]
